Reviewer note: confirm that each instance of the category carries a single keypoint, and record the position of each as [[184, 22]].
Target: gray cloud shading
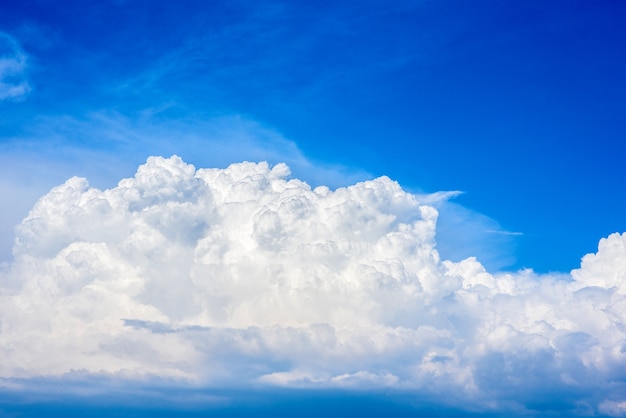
[[243, 276]]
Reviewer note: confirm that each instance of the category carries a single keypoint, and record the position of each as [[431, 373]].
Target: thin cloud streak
[[13, 65]]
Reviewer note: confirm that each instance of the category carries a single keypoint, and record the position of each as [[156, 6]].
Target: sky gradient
[[436, 154]]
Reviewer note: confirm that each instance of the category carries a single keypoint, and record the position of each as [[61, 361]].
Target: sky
[[415, 206]]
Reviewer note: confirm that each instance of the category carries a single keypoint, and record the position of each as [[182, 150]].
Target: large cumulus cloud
[[242, 276]]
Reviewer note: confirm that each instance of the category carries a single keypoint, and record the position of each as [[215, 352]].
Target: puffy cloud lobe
[[13, 84], [242, 276]]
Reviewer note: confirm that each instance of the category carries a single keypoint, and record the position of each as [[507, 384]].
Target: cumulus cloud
[[91, 146], [13, 83], [245, 276]]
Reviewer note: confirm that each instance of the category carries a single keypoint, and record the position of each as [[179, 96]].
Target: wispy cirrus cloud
[[13, 65]]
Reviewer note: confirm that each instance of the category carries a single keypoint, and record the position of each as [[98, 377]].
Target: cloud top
[[243, 276]]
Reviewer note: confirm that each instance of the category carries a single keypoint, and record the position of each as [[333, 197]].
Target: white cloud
[[58, 147], [613, 409], [241, 276], [13, 83], [607, 268]]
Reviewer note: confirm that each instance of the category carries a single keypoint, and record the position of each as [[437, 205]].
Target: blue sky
[[518, 105], [507, 117]]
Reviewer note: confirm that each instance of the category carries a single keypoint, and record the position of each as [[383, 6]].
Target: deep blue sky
[[155, 401], [518, 104]]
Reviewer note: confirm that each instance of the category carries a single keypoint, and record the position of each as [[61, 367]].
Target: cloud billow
[[242, 276]]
